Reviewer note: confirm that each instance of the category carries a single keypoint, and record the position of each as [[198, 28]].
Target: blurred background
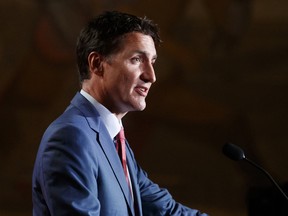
[[222, 76]]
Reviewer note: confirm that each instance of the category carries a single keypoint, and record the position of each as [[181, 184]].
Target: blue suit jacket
[[78, 172]]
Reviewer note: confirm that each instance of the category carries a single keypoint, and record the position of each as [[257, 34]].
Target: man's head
[[116, 53], [104, 35]]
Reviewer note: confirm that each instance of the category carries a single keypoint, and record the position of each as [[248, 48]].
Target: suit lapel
[[110, 152], [106, 144]]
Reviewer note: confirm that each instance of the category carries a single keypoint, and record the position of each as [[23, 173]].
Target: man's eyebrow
[[145, 53]]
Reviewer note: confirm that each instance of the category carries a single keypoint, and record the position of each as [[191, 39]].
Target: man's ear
[[95, 61]]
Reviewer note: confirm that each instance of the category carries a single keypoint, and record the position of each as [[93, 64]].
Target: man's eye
[[136, 59]]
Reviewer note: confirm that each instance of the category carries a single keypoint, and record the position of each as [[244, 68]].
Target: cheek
[[120, 86], [129, 80], [124, 80]]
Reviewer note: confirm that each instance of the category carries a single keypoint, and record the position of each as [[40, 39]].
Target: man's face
[[129, 74]]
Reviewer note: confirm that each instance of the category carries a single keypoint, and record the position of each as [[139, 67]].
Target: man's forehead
[[139, 43]]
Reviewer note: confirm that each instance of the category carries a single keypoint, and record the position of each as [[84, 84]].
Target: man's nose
[[149, 73]]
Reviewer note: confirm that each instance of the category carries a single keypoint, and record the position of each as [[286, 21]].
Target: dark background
[[221, 76]]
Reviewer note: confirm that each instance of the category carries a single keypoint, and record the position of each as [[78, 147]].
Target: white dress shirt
[[111, 122]]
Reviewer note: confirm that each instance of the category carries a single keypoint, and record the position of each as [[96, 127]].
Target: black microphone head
[[233, 152]]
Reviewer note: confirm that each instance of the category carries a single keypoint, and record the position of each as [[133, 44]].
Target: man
[[78, 170]]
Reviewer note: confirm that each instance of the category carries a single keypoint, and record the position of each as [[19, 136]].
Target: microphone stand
[[268, 175]]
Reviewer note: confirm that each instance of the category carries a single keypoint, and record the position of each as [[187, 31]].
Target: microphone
[[236, 153]]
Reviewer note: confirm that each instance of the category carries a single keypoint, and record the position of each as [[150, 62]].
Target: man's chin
[[139, 107]]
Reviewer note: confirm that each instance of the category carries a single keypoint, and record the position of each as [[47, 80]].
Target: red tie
[[121, 149]]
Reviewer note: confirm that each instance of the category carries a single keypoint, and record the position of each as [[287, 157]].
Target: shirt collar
[[110, 121]]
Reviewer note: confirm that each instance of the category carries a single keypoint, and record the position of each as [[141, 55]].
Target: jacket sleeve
[[158, 201], [68, 171]]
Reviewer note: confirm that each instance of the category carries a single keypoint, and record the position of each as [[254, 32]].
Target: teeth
[[142, 89]]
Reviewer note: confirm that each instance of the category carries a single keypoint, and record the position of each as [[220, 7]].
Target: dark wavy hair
[[104, 34]]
